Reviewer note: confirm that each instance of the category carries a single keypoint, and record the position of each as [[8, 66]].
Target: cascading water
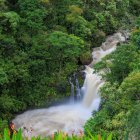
[[72, 91], [78, 92], [91, 87], [70, 117]]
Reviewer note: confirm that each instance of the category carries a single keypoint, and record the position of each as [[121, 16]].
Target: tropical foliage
[[55, 136]]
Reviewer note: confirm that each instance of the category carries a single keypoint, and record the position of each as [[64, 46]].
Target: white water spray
[[71, 117]]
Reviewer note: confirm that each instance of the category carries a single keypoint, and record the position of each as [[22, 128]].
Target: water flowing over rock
[[108, 46], [91, 86], [70, 117], [78, 91], [72, 91]]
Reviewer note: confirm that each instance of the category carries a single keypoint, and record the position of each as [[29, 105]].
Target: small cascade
[[78, 91], [72, 91], [72, 116], [75, 88]]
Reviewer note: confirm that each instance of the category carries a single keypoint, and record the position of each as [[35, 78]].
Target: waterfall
[[73, 88], [70, 117], [91, 86], [78, 92], [72, 91]]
